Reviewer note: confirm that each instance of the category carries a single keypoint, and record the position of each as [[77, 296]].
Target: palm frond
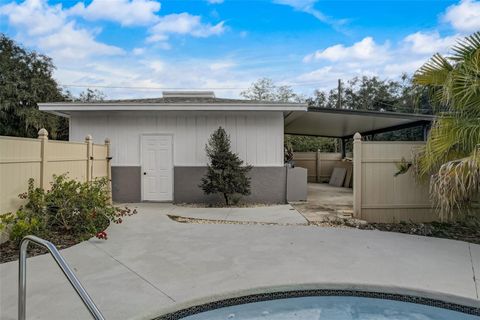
[[456, 185], [466, 47]]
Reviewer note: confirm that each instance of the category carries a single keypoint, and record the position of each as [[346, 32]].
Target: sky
[[137, 48]]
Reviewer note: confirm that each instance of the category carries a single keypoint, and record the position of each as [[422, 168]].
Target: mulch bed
[[9, 250], [464, 231]]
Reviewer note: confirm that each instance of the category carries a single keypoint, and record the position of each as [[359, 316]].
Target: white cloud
[[368, 58], [429, 43], [308, 6], [366, 49], [183, 24], [138, 51], [221, 65], [125, 12], [152, 72], [35, 17], [70, 42], [464, 16], [48, 28]]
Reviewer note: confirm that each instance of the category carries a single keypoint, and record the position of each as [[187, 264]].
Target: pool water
[[331, 308]]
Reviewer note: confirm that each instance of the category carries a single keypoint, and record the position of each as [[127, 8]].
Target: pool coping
[[434, 299]]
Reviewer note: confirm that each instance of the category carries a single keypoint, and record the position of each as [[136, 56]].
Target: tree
[[25, 80], [264, 89], [451, 157], [225, 173], [261, 90], [90, 95]]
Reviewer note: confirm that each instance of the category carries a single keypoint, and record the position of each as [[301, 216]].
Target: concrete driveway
[[151, 264]]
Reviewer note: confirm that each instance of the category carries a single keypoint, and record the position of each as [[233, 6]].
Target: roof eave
[[69, 107]]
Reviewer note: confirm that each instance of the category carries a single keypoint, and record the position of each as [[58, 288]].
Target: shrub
[[81, 209], [225, 173]]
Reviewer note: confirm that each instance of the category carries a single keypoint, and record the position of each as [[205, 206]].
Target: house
[[158, 149], [158, 145]]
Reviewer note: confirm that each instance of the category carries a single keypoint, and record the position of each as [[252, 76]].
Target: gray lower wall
[[268, 185], [126, 184]]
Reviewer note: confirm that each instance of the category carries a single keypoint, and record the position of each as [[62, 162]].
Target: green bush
[[80, 209]]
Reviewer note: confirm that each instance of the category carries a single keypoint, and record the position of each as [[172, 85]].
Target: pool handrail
[[67, 271]]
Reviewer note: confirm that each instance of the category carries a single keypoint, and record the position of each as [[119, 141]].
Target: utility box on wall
[[297, 184]]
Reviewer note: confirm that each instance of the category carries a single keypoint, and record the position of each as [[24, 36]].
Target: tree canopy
[[25, 80]]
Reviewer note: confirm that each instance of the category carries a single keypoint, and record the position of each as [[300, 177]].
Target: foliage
[[451, 155], [402, 167], [79, 208], [25, 80], [90, 95], [225, 173], [264, 89], [287, 152], [372, 93], [306, 144]]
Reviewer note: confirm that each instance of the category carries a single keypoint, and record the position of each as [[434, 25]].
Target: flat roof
[[344, 123], [171, 103]]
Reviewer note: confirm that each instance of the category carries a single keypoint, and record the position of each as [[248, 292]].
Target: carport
[[344, 123], [376, 194]]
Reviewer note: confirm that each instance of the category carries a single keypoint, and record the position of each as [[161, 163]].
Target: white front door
[[157, 168]]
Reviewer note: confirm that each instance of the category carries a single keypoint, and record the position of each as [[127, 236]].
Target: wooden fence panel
[[319, 165], [379, 196]]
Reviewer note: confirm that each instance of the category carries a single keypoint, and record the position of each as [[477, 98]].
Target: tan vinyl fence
[[319, 165], [379, 196], [40, 159]]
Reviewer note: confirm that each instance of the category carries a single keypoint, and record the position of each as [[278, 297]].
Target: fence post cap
[[88, 137], [43, 133], [357, 136], [107, 140]]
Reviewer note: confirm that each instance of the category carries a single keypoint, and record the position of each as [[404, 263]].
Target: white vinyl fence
[[40, 159], [379, 196]]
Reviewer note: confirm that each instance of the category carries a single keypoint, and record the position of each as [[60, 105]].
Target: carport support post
[[357, 175], [343, 146]]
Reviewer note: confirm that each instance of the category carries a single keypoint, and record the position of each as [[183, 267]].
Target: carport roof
[[344, 123]]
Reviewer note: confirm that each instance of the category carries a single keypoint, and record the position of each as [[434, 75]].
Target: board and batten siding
[[257, 137]]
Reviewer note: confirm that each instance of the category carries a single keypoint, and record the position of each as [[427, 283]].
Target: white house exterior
[[158, 145]]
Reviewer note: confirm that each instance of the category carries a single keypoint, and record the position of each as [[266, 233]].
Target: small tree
[[226, 173]]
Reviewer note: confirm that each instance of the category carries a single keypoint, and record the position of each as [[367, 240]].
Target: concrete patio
[[151, 264], [326, 202]]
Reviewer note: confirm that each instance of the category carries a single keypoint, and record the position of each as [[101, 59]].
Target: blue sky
[[225, 45]]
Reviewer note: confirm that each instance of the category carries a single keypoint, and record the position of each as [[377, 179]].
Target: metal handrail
[[22, 277]]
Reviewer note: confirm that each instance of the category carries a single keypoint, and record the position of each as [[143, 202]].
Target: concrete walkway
[[325, 202], [280, 214], [151, 264]]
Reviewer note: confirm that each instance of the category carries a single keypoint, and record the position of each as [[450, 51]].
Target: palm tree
[[451, 157]]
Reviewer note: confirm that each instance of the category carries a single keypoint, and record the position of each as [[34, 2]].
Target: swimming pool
[[332, 308], [363, 306]]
